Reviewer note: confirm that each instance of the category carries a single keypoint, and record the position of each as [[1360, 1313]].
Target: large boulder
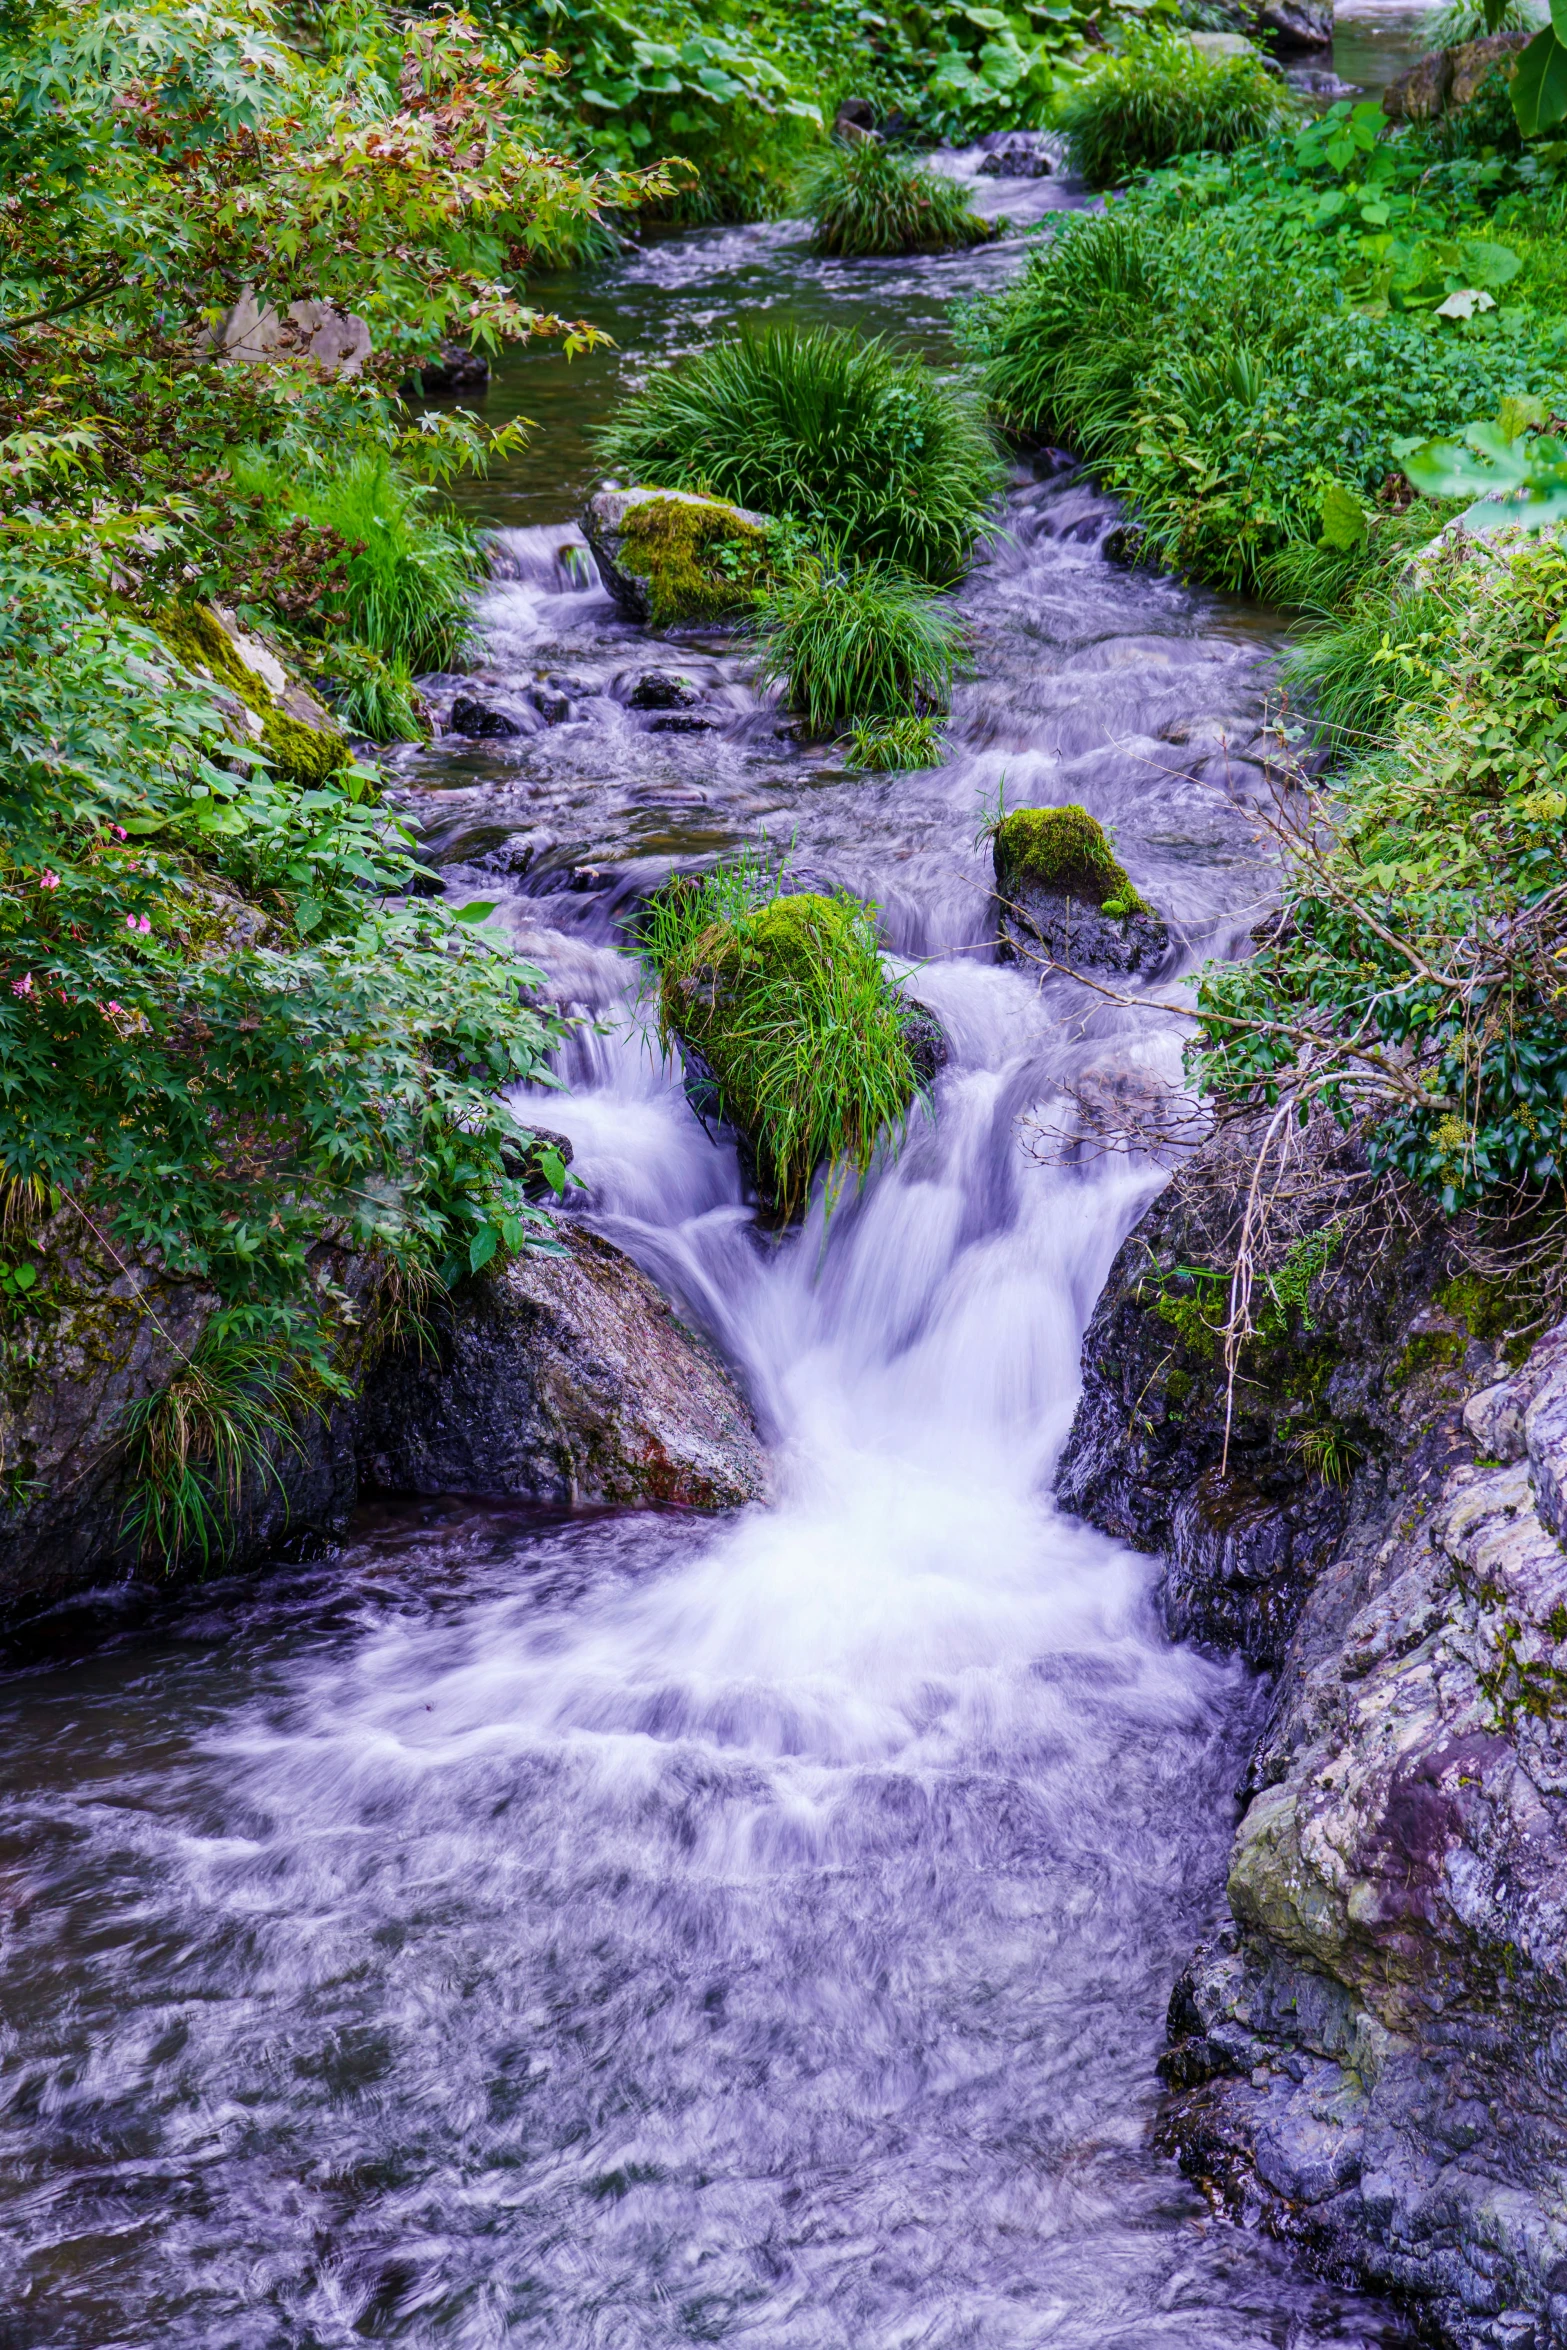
[[1296, 24], [668, 556], [337, 341], [1443, 80], [1061, 894], [563, 1379]]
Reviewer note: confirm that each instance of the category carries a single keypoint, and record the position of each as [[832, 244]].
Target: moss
[[304, 754], [1065, 849], [1432, 1350], [700, 562]]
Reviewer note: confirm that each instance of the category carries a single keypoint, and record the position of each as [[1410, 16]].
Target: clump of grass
[[841, 434], [193, 1444], [1065, 849], [882, 745], [782, 1005], [409, 572], [1465, 20], [1160, 98], [369, 694], [864, 197], [859, 645]]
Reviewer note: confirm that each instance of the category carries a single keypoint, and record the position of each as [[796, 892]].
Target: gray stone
[[252, 330], [1034, 920], [603, 526]]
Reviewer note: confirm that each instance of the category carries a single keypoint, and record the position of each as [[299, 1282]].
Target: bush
[[784, 1000], [1243, 371], [864, 197], [841, 434], [408, 573], [865, 644], [1160, 98], [1415, 982]]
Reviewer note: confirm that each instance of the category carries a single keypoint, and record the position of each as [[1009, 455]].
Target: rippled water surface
[[623, 1930]]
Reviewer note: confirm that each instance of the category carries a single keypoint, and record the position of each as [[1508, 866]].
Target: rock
[[1018, 156], [1060, 894], [567, 1378], [335, 339], [927, 1042], [855, 119], [457, 370], [1472, 61], [1124, 543], [260, 698], [479, 720], [660, 689], [1296, 24], [662, 554], [1369, 2057], [684, 722], [1223, 45], [564, 1379]]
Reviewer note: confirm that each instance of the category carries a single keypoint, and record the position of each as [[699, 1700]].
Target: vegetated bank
[[1323, 1377], [251, 1134]]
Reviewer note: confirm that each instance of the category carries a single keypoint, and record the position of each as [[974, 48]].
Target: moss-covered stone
[[669, 556], [303, 753], [1063, 849]]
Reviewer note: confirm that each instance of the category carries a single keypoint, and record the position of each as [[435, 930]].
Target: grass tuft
[[864, 197], [1160, 98], [191, 1446], [864, 645], [884, 745], [855, 443], [784, 1001]]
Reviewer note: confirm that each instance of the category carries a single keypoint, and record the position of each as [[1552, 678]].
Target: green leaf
[[1539, 87], [482, 1247], [1343, 518], [553, 1169], [1518, 415], [477, 910], [1487, 264]]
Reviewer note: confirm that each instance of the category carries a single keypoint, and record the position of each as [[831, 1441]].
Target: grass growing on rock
[[862, 644], [864, 197], [1064, 849], [785, 1002], [1160, 98], [850, 440]]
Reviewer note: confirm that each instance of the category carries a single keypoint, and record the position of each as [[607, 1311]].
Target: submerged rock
[[1061, 891], [480, 721], [564, 1379], [1016, 155], [668, 556], [661, 689]]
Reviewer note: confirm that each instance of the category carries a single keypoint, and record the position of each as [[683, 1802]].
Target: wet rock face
[[1445, 80], [1062, 895], [1372, 2055], [564, 1379]]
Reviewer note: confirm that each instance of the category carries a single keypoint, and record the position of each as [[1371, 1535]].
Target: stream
[[610, 1930]]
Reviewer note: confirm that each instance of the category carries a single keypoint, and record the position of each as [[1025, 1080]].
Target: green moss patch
[[700, 562], [783, 1002], [304, 754], [1064, 849]]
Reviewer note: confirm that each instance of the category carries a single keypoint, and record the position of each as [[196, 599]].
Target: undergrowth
[[836, 432], [866, 197], [1158, 98]]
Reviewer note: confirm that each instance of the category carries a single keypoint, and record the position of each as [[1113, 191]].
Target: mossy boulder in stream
[[789, 1028], [668, 555], [265, 704], [1061, 889]]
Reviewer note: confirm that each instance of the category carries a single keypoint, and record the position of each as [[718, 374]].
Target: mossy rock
[[302, 751], [668, 556], [744, 1005], [1061, 887]]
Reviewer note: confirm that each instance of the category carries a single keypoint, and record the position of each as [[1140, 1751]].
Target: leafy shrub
[[785, 1002], [1473, 20], [1245, 359], [841, 434], [408, 574], [220, 1027], [865, 644], [865, 197], [1416, 982], [1159, 98]]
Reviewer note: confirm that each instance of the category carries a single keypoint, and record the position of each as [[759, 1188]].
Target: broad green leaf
[[1539, 87], [482, 1247], [477, 910], [1343, 517], [1486, 264]]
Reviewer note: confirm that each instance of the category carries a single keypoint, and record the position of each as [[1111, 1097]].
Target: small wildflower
[[48, 880], [24, 985], [119, 832]]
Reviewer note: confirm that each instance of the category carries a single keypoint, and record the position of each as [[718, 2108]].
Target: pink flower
[[119, 831], [133, 923], [24, 985], [112, 1006], [48, 880]]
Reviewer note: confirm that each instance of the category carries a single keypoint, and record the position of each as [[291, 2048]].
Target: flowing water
[[619, 1930]]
